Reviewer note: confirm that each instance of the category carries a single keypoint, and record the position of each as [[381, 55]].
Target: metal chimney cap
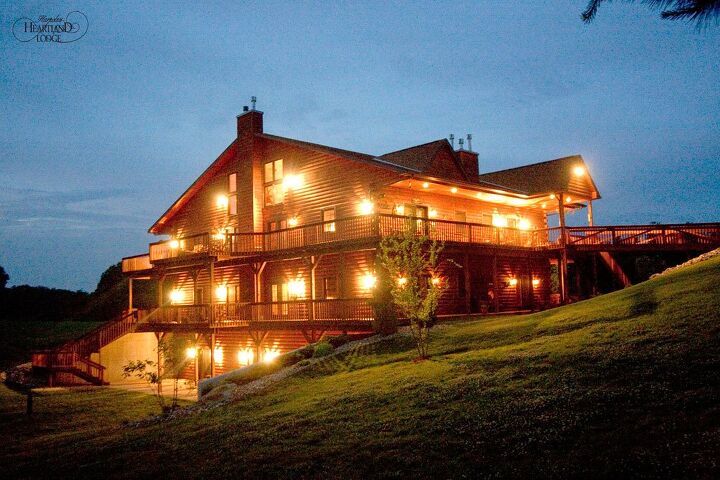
[[246, 108]]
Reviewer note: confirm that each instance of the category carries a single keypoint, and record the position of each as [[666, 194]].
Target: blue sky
[[98, 137]]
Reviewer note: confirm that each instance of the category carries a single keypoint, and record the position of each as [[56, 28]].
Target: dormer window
[[273, 175]]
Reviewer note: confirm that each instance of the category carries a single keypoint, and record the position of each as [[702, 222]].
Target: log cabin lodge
[[273, 246]]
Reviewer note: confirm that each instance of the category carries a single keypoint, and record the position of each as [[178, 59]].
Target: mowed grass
[[19, 338], [622, 386]]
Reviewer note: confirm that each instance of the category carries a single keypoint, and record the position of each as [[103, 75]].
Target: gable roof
[[544, 177], [421, 158]]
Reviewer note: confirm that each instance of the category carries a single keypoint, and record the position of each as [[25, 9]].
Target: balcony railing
[[374, 227], [137, 263], [243, 314]]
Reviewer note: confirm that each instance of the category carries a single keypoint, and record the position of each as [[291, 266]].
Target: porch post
[[212, 292], [590, 213], [130, 294], [212, 354], [562, 270]]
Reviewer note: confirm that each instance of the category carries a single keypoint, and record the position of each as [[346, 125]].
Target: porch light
[[579, 170], [246, 356], [174, 244], [292, 182], [176, 296], [499, 220], [292, 222], [435, 281], [568, 199], [402, 281], [218, 354], [432, 213], [453, 189], [296, 288], [524, 224], [366, 207], [552, 196], [191, 353], [535, 282], [400, 209], [368, 281], [270, 354], [220, 235], [221, 201], [221, 293], [426, 185], [512, 282]]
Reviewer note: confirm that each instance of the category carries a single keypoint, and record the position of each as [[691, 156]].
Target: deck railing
[[374, 227], [136, 263], [243, 314], [67, 361]]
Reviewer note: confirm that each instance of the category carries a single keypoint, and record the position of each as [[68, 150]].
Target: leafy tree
[[4, 277], [411, 260], [702, 12], [173, 352], [110, 297]]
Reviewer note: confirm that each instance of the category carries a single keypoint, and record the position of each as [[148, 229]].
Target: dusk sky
[[99, 136]]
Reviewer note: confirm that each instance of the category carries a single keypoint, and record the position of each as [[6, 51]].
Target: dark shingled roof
[[419, 157], [539, 178]]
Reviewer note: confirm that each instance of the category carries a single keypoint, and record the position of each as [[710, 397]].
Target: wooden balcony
[[371, 228], [348, 313], [137, 263]]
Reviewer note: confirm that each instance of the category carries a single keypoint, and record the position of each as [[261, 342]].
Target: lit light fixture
[[296, 288], [191, 352], [479, 195], [499, 220], [400, 209], [221, 201], [536, 282], [552, 196], [292, 182], [270, 354], [368, 281], [432, 213], [568, 199], [176, 296], [366, 207], [579, 170], [246, 356], [218, 354], [426, 185], [174, 244], [512, 282], [402, 281], [524, 224], [435, 281], [453, 189], [292, 222], [221, 293], [220, 235]]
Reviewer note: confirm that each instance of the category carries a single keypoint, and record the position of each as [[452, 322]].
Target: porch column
[[212, 354], [562, 268], [212, 291], [590, 213], [130, 294]]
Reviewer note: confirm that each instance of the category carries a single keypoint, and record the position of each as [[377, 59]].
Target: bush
[[323, 349], [337, 340]]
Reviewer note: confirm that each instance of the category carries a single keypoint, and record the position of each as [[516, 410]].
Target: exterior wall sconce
[[499, 220], [426, 185], [366, 207], [221, 293], [191, 353], [174, 244], [221, 201], [400, 209], [368, 282], [535, 282], [579, 170], [246, 356], [296, 288], [453, 190], [270, 354], [432, 213], [292, 222], [512, 282], [292, 182], [176, 296], [524, 224]]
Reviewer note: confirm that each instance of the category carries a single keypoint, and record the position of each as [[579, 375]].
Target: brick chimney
[[469, 162], [249, 122]]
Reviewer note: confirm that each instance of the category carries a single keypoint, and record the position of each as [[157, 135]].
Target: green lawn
[[19, 338], [624, 385]]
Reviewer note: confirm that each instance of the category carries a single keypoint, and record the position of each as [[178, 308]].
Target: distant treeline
[[109, 299]]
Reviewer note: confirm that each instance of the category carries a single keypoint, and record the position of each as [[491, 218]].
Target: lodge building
[[274, 246]]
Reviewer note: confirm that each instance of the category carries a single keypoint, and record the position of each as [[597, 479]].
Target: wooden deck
[[371, 228]]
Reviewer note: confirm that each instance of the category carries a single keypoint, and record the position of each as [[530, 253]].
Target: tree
[[702, 12], [173, 352], [4, 277], [411, 260]]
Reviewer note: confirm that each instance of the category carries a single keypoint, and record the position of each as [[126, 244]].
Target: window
[[328, 215], [279, 293], [232, 183], [273, 182], [277, 225], [232, 205], [329, 288]]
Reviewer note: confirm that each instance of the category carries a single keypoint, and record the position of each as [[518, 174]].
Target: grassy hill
[[624, 385]]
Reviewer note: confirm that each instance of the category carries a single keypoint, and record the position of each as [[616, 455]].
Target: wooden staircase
[[616, 269], [73, 357]]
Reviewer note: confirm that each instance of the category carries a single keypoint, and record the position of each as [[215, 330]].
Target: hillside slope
[[625, 384]]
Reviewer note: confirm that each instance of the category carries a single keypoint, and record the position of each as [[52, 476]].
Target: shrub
[[323, 349], [338, 340]]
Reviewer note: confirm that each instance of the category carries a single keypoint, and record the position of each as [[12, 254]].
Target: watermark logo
[[57, 29]]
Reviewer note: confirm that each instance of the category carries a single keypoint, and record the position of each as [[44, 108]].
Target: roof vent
[[461, 141], [253, 100], [246, 108], [469, 138], [452, 141]]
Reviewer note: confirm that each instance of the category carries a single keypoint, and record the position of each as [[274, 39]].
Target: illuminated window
[[279, 293], [273, 182], [329, 288], [232, 182], [328, 215], [232, 205]]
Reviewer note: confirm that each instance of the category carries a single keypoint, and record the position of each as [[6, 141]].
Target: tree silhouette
[[4, 277], [702, 12]]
